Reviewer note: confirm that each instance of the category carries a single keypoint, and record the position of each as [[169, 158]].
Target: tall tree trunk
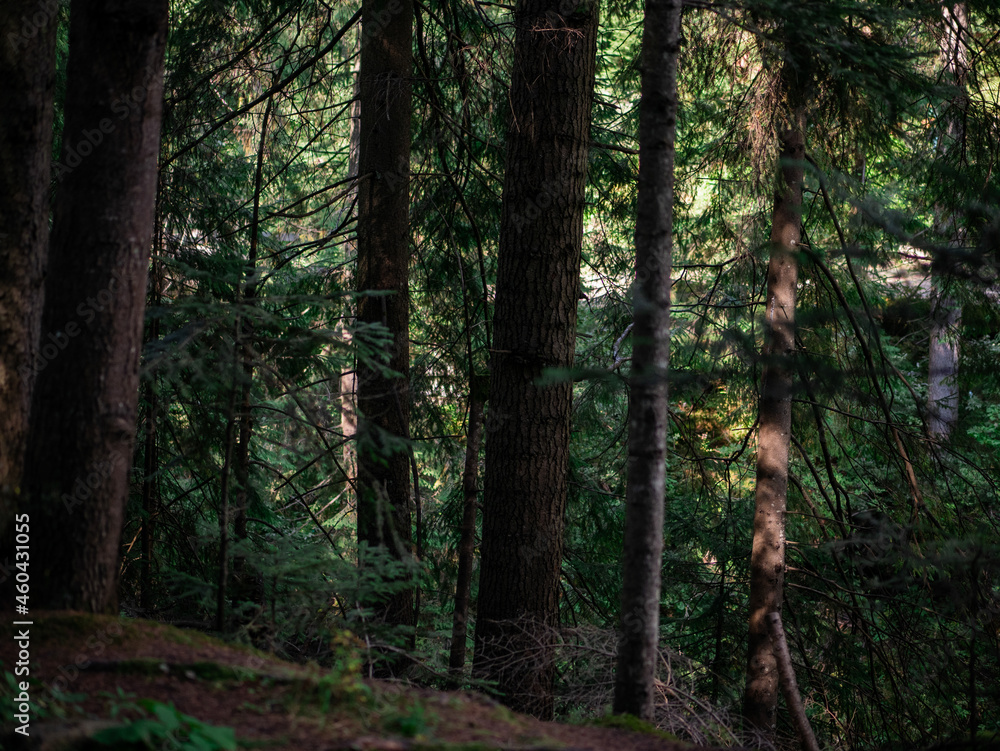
[[527, 453], [225, 492], [84, 405], [27, 69], [478, 391], [767, 559], [647, 438], [348, 379], [946, 312], [383, 400], [244, 589], [150, 455]]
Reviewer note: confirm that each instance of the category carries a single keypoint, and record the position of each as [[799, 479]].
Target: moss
[[208, 671], [69, 626], [633, 724]]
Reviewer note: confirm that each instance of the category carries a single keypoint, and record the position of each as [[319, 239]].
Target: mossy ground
[[89, 669]]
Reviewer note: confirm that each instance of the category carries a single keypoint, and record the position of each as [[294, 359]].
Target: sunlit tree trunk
[[527, 449], [27, 70], [83, 417], [767, 559], [946, 312], [383, 400], [647, 441], [348, 386]]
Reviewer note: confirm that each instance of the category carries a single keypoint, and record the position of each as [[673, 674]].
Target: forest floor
[[96, 673]]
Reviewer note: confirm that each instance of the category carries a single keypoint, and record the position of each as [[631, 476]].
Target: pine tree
[[527, 449], [84, 406], [643, 542]]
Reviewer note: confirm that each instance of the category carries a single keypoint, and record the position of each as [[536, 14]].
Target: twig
[[789, 688]]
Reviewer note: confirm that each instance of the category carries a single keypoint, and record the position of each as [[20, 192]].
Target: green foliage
[[415, 722], [890, 601], [633, 724], [46, 702], [167, 728]]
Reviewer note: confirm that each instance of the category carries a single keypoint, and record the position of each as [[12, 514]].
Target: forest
[[544, 349]]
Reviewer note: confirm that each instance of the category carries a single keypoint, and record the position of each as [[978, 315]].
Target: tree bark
[[27, 68], [383, 400], [767, 560], [478, 392], [84, 405], [946, 312], [648, 415], [527, 450], [348, 386]]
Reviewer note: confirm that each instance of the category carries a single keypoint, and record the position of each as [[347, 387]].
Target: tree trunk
[[647, 441], [383, 400], [942, 366], [84, 405], [478, 392], [767, 559], [946, 313], [27, 68], [244, 588], [348, 385], [527, 452], [150, 458]]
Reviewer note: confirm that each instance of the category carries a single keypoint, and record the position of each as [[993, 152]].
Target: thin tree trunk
[[643, 539], [383, 401], [150, 459], [241, 466], [767, 560], [946, 312], [467, 542], [348, 385], [527, 452], [789, 686], [27, 69], [228, 446], [84, 405]]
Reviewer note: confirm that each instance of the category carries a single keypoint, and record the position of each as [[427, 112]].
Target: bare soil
[[88, 672]]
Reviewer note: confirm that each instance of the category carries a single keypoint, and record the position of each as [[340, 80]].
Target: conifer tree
[[643, 540], [538, 272], [83, 415]]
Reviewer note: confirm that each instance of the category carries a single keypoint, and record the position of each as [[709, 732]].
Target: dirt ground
[[90, 672]]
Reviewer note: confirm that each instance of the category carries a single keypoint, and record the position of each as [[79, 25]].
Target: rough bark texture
[[84, 405], [383, 400], [27, 69], [767, 559], [527, 447], [647, 442], [478, 392], [946, 312]]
